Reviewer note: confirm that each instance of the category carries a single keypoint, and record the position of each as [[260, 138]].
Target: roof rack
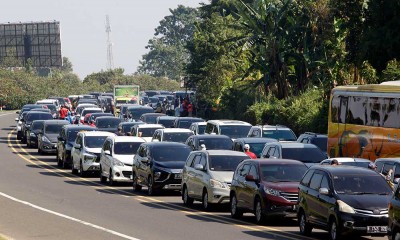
[[311, 133]]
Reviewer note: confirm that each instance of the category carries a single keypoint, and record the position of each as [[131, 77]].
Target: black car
[[159, 165], [29, 118], [135, 112], [21, 113], [319, 140], [65, 142], [47, 138], [150, 117], [93, 116], [108, 124], [210, 142], [185, 122], [166, 121], [256, 144], [126, 126], [32, 133], [343, 200], [107, 104]]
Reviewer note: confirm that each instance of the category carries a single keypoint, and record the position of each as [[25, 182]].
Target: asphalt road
[[41, 201]]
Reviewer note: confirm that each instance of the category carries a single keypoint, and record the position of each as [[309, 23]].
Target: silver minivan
[[207, 176]]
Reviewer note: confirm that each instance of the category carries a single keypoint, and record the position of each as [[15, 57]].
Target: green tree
[[167, 56]]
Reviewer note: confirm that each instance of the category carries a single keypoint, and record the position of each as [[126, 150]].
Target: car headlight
[[89, 158], [157, 175], [32, 134], [217, 184], [272, 191], [163, 169], [344, 207], [45, 139], [117, 163]]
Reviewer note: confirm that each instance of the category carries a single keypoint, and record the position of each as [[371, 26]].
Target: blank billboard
[[38, 41]]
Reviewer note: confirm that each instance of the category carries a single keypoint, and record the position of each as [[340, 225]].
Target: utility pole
[[110, 60]]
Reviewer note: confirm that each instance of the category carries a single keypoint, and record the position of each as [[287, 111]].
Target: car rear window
[[126, 148], [53, 128], [281, 135], [217, 143], [306, 155], [233, 131], [282, 172], [177, 137], [320, 142], [146, 132], [170, 154], [108, 123], [225, 162], [94, 141]]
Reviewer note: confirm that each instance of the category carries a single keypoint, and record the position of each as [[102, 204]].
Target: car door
[[187, 173], [192, 185], [199, 175], [251, 188], [241, 185], [313, 193], [76, 151], [107, 159], [138, 163], [325, 202]]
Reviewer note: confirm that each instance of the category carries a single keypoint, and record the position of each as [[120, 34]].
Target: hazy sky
[[83, 36]]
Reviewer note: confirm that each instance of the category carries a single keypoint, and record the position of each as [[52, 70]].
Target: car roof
[[388, 159], [130, 123], [166, 144], [344, 169], [175, 130], [101, 113], [229, 122], [127, 139], [139, 107], [107, 117], [79, 127], [199, 123], [280, 127], [346, 159], [92, 108], [223, 152], [267, 161], [153, 114], [97, 133], [294, 145], [256, 140], [150, 126], [39, 113], [188, 118], [210, 136], [314, 134], [162, 117], [56, 122]]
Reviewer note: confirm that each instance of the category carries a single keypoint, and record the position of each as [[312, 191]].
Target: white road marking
[[5, 114], [69, 218]]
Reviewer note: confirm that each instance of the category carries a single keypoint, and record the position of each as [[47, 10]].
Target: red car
[[266, 187]]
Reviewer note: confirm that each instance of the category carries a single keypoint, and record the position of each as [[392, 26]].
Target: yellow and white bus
[[364, 121]]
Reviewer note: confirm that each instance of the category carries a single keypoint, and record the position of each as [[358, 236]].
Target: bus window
[[391, 113], [335, 109], [343, 109], [374, 111], [356, 114]]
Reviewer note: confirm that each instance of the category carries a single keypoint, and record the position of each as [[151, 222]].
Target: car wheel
[[102, 178], [258, 211], [110, 179], [187, 201], [73, 170], [150, 188], [235, 212], [334, 233], [81, 172], [135, 185], [305, 228], [204, 200], [395, 235]]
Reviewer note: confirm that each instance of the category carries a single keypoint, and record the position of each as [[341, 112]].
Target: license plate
[[376, 229], [178, 176]]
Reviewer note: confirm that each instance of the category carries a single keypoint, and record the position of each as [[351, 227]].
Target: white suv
[[116, 158], [171, 135], [231, 128], [145, 131], [86, 151]]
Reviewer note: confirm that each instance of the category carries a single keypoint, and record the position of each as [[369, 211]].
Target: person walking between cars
[[247, 151], [70, 118], [63, 112]]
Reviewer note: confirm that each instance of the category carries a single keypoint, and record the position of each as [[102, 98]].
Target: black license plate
[[376, 229]]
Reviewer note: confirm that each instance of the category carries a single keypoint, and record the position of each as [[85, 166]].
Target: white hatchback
[[116, 158], [171, 135], [86, 151]]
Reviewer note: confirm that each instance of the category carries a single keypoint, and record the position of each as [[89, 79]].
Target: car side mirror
[[16, 119], [145, 160], [251, 178], [17, 112], [107, 152], [199, 167], [77, 146], [155, 140], [324, 191]]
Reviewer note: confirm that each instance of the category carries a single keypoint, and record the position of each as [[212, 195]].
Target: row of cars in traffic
[[207, 162]]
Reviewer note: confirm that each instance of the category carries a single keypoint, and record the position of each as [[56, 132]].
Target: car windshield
[[170, 154], [235, 131], [256, 148], [153, 99], [37, 125], [356, 164], [126, 148], [108, 123], [217, 143], [94, 141], [282, 172], [306, 155], [187, 123], [151, 119], [166, 122], [201, 128], [146, 132], [127, 127], [360, 184], [177, 137], [136, 113], [84, 112], [71, 135], [225, 162], [281, 135], [31, 117], [53, 128], [322, 143]]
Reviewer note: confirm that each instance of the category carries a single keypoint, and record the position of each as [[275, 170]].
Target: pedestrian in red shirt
[[63, 112], [247, 151]]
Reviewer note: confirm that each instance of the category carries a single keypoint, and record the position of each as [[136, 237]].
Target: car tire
[[102, 178], [81, 172], [204, 201], [235, 211], [395, 235], [73, 170], [305, 228], [110, 179], [150, 187], [258, 211], [334, 232], [187, 200], [136, 187]]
